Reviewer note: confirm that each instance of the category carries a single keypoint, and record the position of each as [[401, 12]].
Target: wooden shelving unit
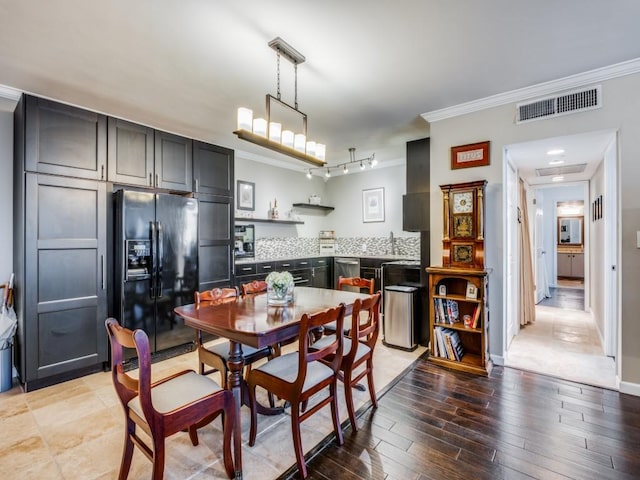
[[313, 206], [267, 220], [475, 341]]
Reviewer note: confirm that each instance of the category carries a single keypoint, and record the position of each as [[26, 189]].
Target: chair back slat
[[356, 282], [256, 286], [215, 294], [366, 332]]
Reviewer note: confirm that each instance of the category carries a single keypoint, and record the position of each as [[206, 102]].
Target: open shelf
[[267, 220], [457, 326], [313, 206]]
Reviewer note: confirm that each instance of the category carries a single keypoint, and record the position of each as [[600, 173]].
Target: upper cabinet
[[212, 169], [142, 156], [64, 140], [130, 153], [173, 162]]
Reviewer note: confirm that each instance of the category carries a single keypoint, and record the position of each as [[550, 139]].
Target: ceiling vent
[[570, 102], [562, 170]]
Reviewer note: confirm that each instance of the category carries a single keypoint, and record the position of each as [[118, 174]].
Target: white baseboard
[[630, 388], [497, 360]]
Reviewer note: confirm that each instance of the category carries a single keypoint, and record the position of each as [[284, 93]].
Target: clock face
[[463, 202]]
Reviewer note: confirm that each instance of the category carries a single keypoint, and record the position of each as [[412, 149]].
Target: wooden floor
[[440, 424]]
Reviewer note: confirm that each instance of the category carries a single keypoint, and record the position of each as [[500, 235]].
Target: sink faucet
[[393, 243]]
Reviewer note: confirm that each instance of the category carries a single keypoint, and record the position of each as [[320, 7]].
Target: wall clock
[[463, 232]]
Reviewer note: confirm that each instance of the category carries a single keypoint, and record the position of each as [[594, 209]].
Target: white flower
[[279, 280]]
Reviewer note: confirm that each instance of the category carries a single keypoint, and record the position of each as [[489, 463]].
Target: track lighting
[[345, 166]]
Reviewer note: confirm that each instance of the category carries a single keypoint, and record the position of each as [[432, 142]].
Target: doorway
[[569, 338]]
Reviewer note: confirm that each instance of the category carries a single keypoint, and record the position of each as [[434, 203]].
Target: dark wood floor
[[565, 298], [440, 424]]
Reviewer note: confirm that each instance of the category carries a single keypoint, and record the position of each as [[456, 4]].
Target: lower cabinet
[[61, 282], [321, 272], [314, 272], [571, 265]]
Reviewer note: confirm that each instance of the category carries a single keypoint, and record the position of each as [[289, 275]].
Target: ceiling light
[[556, 162], [345, 165], [269, 134], [558, 178], [556, 151]]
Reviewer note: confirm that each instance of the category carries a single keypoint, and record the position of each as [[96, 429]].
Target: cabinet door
[[130, 153], [564, 264], [320, 277], [577, 265], [173, 162], [215, 244], [64, 140], [212, 169], [65, 285]]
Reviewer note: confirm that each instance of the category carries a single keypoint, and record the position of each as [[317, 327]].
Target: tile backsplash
[[282, 247]]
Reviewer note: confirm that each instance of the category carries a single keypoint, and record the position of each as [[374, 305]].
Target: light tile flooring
[[75, 430], [563, 343]]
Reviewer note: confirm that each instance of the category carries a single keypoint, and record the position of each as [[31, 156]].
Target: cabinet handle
[[102, 282], [246, 269], [150, 181], [286, 264], [266, 267], [157, 183], [196, 185], [102, 172], [304, 263]]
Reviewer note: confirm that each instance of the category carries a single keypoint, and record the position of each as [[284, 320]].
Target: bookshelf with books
[[459, 319]]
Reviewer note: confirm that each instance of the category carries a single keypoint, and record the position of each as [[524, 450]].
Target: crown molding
[[542, 89], [10, 93]]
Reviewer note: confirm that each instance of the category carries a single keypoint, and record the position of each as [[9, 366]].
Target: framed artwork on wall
[[472, 155], [246, 195], [373, 205]]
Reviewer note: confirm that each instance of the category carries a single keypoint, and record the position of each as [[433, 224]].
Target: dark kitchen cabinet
[[212, 169], [173, 162], [215, 242], [321, 272], [63, 140], [371, 269], [61, 278], [130, 153]]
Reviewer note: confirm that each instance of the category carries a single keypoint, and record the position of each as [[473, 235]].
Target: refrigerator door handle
[[160, 256], [152, 289]]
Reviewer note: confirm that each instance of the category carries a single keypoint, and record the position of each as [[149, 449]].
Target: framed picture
[[442, 290], [246, 195], [373, 205], [472, 155], [472, 291]]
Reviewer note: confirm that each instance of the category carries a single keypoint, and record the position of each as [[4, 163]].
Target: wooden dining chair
[[361, 283], [217, 355], [183, 401], [358, 350], [299, 375]]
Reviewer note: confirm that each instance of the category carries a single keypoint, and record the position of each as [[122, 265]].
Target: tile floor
[[75, 430], [563, 343]]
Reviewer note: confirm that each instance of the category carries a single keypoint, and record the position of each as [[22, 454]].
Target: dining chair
[[217, 355], [297, 376], [361, 283], [183, 401], [358, 349]]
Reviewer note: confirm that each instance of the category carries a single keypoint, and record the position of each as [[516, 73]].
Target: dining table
[[250, 320]]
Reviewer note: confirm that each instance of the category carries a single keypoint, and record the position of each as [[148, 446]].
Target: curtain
[[527, 285]]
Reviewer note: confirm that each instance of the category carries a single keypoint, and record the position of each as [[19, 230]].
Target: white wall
[[619, 112], [6, 195]]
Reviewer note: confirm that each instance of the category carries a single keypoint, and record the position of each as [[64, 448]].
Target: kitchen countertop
[[241, 261]]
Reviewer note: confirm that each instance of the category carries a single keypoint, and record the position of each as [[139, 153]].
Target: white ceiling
[[372, 67]]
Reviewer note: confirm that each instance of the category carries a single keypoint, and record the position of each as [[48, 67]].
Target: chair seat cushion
[[250, 354], [346, 346], [285, 368], [177, 392]]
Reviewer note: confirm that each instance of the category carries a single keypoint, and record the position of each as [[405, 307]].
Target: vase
[[279, 295]]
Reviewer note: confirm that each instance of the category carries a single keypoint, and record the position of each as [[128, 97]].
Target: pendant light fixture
[[268, 133], [363, 162]]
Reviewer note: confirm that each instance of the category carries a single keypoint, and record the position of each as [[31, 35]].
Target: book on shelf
[[454, 313], [448, 345], [475, 321], [441, 350], [436, 352], [443, 317]]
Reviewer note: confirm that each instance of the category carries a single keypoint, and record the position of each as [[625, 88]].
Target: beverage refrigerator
[[156, 269]]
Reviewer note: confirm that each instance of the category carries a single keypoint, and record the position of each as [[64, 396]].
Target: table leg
[[235, 363]]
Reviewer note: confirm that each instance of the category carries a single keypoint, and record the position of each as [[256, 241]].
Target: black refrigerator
[[156, 270]]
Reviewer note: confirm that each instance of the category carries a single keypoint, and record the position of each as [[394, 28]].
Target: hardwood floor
[[440, 424]]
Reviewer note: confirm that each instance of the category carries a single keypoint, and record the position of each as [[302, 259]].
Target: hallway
[[564, 342]]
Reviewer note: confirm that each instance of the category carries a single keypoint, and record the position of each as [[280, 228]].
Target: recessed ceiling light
[[559, 178], [556, 162], [556, 151]]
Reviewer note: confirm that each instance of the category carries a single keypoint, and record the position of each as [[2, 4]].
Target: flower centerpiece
[[279, 288]]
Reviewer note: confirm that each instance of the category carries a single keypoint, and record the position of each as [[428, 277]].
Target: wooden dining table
[[251, 321]]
